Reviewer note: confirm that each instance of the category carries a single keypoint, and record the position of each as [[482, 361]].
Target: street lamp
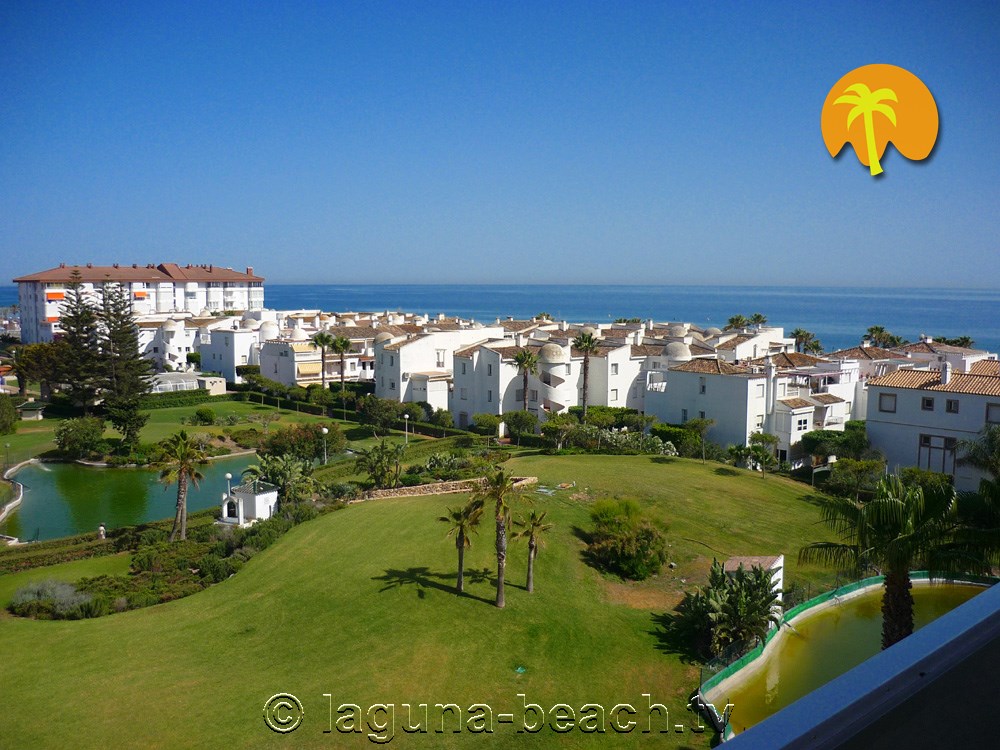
[[406, 429], [325, 432], [229, 483]]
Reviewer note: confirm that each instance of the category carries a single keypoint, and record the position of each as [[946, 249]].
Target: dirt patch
[[642, 597]]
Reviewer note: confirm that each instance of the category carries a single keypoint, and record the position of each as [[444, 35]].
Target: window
[[489, 370], [463, 368], [701, 415], [701, 385], [156, 350], [614, 394], [951, 406], [519, 394], [887, 402], [392, 360], [489, 397], [803, 423], [569, 369], [782, 390], [392, 385], [927, 403], [993, 413], [534, 395], [760, 390], [614, 368], [440, 357], [684, 415], [656, 365], [463, 394], [760, 422]]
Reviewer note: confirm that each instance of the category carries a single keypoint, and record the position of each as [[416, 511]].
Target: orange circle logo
[[875, 104]]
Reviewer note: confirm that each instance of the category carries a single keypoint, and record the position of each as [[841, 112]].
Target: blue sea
[[838, 316]]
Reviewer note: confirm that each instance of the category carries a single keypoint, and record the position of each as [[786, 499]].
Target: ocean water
[[838, 316]]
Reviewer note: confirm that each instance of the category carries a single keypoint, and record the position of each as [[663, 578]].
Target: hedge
[[431, 430], [181, 398]]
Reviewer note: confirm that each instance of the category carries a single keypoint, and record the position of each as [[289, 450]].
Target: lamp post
[[406, 429], [6, 459], [325, 433], [229, 483]]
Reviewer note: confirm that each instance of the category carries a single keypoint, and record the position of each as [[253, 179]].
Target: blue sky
[[479, 142]]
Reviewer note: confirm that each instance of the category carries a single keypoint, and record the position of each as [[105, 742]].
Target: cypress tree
[[8, 415], [80, 356], [125, 373]]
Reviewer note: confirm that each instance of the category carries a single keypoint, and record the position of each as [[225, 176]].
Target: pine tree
[[8, 415], [80, 356], [125, 373]]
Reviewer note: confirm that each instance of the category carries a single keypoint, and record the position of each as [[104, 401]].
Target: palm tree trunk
[[460, 584], [586, 379], [873, 164], [532, 548], [180, 521], [524, 390], [322, 359], [501, 558], [343, 401], [897, 607]]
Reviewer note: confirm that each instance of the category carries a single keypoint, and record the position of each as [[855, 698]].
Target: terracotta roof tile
[[930, 380], [986, 367], [796, 403], [734, 342], [864, 352], [148, 273], [714, 367], [826, 398], [923, 347], [789, 360]]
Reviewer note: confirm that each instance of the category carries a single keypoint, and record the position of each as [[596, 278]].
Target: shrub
[[624, 542], [80, 437], [53, 600], [205, 415], [342, 491], [303, 441]]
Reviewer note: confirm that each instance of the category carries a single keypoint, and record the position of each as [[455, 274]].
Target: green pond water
[[827, 644], [65, 499]]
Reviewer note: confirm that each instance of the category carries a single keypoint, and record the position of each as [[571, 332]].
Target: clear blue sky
[[472, 142]]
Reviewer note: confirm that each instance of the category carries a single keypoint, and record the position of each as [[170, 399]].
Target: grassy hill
[[359, 605]]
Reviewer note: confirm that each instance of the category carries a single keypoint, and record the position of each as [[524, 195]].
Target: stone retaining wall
[[439, 488]]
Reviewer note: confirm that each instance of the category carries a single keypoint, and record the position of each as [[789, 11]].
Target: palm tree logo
[[867, 103], [886, 103]]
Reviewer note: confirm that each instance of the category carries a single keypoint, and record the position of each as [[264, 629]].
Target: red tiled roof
[[796, 403], [930, 380], [786, 360], [826, 398], [864, 352], [735, 341], [986, 367], [714, 367], [922, 347], [147, 273]]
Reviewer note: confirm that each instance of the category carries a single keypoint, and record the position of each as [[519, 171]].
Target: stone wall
[[439, 488]]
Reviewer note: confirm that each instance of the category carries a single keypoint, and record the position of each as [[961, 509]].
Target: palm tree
[[462, 522], [587, 345], [324, 341], [532, 529], [499, 489], [290, 474], [182, 458], [899, 528], [701, 425], [983, 453], [341, 346], [802, 338], [737, 321], [866, 103], [527, 362], [815, 346], [757, 320]]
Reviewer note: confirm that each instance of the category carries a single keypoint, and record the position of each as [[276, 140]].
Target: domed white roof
[[172, 325], [383, 336], [589, 329], [269, 330], [678, 330], [713, 331], [299, 334], [677, 351], [552, 354], [205, 313]]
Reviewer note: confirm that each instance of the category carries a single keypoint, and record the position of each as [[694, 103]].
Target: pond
[[65, 499], [825, 644]]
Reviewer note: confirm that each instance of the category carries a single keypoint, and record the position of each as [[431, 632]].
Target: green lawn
[[110, 565], [359, 604]]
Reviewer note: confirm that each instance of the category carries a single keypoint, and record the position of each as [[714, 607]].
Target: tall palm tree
[[323, 341], [814, 346], [737, 321], [758, 319], [181, 458], [532, 529], [802, 338], [290, 474], [499, 489], [462, 522], [866, 103], [899, 528], [341, 346], [527, 362], [586, 344]]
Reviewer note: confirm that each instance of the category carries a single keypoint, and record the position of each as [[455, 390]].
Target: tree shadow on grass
[[670, 639], [724, 471], [423, 579], [663, 460]]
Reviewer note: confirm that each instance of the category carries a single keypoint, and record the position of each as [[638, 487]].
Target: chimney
[[135, 265], [649, 324], [866, 342], [926, 339], [249, 270], [945, 373], [90, 265], [62, 265]]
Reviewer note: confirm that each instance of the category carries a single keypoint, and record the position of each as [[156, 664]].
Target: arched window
[[231, 509]]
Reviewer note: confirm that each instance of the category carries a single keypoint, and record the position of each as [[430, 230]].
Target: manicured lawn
[[111, 565], [359, 604]]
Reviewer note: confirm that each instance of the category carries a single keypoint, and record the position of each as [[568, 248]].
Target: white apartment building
[[786, 396], [751, 343], [164, 288], [917, 417]]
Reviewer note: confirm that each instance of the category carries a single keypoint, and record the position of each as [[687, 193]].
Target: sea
[[837, 316]]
